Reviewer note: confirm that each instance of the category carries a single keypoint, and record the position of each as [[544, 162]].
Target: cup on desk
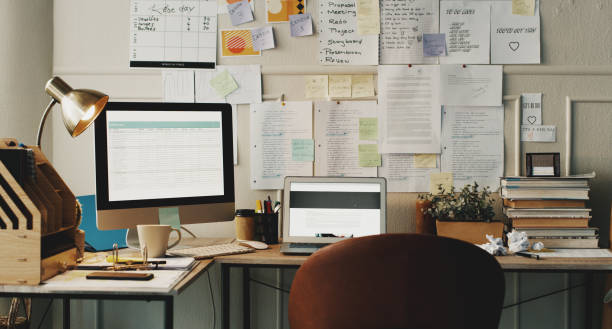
[[156, 237]]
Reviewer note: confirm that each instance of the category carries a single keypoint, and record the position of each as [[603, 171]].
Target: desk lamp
[[80, 107]]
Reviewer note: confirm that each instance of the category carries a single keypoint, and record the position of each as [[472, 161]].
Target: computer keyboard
[[212, 251]]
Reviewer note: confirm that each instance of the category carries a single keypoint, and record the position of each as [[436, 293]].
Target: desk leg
[[66, 312], [225, 282], [588, 312], [246, 298], [169, 313]]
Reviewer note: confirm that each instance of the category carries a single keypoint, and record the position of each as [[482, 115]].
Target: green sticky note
[[223, 83], [369, 156], [170, 216], [368, 129], [302, 150]]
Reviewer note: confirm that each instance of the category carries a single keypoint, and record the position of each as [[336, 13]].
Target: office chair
[[398, 281]]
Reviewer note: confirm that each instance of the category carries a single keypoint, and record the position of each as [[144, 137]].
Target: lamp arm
[[42, 121]]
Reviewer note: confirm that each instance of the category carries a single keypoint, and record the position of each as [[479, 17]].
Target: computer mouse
[[254, 244]]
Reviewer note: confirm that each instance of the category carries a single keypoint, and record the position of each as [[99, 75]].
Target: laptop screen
[[334, 209]]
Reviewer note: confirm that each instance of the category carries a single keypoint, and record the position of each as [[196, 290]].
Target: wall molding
[[517, 131]]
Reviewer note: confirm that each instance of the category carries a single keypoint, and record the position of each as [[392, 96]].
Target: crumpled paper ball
[[517, 241], [495, 246]]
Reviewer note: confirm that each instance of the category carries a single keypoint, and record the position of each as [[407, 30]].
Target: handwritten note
[[523, 7], [301, 25], [362, 86], [434, 44], [368, 128], [340, 86], [437, 180], [514, 39], [473, 85], [544, 134], [263, 38], [302, 150], [425, 160], [339, 42], [368, 155], [240, 12], [403, 24], [532, 109], [466, 26], [368, 17], [316, 86], [223, 84]]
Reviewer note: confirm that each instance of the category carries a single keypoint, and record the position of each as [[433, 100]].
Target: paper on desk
[[409, 108], [402, 175], [514, 39], [163, 281], [434, 44], [440, 179], [178, 86], [473, 145], [223, 83], [273, 126], [368, 17], [523, 7], [248, 78], [263, 38], [425, 160], [473, 85], [362, 86], [403, 24], [301, 25], [302, 149], [316, 86], [531, 105], [545, 134], [240, 12], [340, 86], [337, 138], [576, 253], [368, 155], [368, 128], [466, 25]]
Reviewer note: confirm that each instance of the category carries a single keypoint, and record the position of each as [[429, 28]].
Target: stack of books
[[551, 210]]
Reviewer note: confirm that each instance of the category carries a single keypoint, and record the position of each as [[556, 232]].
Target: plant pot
[[473, 232]]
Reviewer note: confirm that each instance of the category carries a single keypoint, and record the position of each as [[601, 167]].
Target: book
[[560, 232], [567, 242], [550, 222], [544, 203], [545, 193], [548, 212], [542, 183]]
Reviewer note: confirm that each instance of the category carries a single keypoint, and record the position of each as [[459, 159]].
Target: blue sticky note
[[97, 239], [302, 150], [170, 216], [434, 44]]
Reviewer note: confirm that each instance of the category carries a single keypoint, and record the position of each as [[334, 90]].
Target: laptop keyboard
[[307, 245]]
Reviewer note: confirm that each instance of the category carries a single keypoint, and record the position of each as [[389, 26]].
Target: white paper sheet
[[273, 126], [409, 108], [339, 42], [401, 174], [467, 28], [248, 78], [473, 85], [178, 86], [402, 26], [515, 39], [162, 281], [531, 105], [531, 133], [337, 138], [473, 145], [263, 38], [301, 25], [577, 253], [240, 12]]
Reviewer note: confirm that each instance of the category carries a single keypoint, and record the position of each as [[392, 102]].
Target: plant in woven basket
[[469, 204]]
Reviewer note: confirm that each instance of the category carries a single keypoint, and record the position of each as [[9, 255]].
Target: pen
[[528, 255]]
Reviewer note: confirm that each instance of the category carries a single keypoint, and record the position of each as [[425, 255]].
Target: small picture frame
[[543, 164]]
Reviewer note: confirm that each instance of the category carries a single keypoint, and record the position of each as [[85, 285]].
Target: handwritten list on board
[[173, 33], [339, 41]]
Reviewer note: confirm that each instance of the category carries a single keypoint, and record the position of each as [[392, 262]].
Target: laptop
[[323, 210]]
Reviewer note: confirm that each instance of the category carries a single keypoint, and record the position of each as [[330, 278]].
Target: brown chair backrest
[[398, 281]]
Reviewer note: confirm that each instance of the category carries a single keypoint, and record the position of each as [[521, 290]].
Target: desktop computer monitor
[[155, 155]]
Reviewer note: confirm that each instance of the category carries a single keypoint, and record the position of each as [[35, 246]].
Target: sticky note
[[434, 44], [368, 17], [302, 150], [316, 86], [340, 86], [170, 216], [425, 161], [301, 25], [369, 156], [436, 179], [362, 86], [263, 38], [523, 7], [240, 12], [223, 83], [368, 128]]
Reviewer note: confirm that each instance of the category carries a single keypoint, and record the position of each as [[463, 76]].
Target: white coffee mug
[[155, 238]]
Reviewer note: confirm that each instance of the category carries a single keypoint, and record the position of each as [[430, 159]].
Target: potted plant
[[466, 215]]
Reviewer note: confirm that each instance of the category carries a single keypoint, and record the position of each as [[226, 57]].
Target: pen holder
[[266, 228]]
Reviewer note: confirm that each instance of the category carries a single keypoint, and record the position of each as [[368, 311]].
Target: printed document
[[409, 108], [467, 27], [473, 85], [178, 86], [402, 175], [514, 39], [248, 78]]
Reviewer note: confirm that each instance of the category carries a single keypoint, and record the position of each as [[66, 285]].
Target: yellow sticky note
[[368, 17], [523, 7], [316, 86], [340, 86], [436, 179], [362, 86], [223, 83], [368, 155], [368, 128], [425, 161]]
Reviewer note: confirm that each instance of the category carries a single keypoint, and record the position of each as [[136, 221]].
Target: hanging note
[[402, 174], [240, 12], [532, 109], [362, 86], [543, 134], [434, 44], [368, 128], [178, 86], [514, 39], [425, 160], [368, 155], [466, 25], [302, 150], [340, 86], [263, 38], [223, 83], [316, 86], [301, 25], [444, 179], [368, 17]]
